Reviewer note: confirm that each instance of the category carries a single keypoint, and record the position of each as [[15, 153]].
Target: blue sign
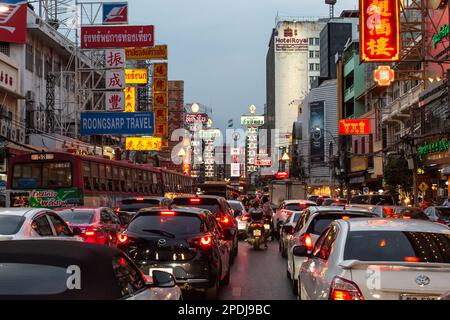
[[106, 123], [115, 13]]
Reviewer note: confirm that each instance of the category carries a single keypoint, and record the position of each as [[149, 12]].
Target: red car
[[98, 225]]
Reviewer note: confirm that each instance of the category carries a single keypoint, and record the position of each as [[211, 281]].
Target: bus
[[57, 180], [219, 188]]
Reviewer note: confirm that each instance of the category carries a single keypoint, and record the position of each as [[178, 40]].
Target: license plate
[[267, 226], [412, 297], [168, 270], [257, 233]]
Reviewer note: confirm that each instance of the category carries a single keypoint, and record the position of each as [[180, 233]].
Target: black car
[[128, 207], [222, 211], [186, 242], [72, 270]]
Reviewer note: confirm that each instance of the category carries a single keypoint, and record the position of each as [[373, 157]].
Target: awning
[[4, 92]]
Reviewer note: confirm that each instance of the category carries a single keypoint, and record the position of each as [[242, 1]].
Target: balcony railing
[[402, 103]]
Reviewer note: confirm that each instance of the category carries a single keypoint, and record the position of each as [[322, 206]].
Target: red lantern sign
[[379, 30], [354, 127], [384, 76], [282, 175]]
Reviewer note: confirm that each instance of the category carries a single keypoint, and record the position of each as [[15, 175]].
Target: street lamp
[[195, 108]]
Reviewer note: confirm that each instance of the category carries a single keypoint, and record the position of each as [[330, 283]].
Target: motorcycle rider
[[257, 214]]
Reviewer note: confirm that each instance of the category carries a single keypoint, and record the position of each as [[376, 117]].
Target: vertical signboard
[[13, 21], [160, 92], [379, 30], [316, 127], [130, 99], [115, 101]]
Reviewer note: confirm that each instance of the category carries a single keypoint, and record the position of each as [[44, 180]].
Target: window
[[105, 217], [355, 148], [311, 67], [39, 64], [5, 48], [326, 243], [29, 58], [317, 54], [317, 41], [60, 227], [95, 176], [41, 226], [10, 225], [129, 279], [78, 216], [178, 224], [317, 66], [87, 175], [311, 54], [311, 41], [42, 175]]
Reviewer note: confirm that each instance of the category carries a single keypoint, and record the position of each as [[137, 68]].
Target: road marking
[[237, 292]]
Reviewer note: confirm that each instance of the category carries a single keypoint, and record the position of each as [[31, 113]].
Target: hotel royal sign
[[380, 30]]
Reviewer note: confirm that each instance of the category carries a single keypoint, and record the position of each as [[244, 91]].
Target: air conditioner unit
[[3, 128], [21, 136], [30, 96], [13, 135]]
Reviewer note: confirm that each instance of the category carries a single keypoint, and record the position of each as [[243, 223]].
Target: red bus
[[56, 179]]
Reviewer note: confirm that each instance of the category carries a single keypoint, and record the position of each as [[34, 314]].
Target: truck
[[287, 190]]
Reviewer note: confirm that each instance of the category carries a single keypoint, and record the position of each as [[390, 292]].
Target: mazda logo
[[162, 242], [423, 280]]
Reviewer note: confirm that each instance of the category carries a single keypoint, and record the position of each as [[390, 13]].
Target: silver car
[[241, 215], [28, 223]]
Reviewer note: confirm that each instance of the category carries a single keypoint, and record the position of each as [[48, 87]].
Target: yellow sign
[[136, 76], [423, 187], [152, 53], [130, 99], [143, 144], [160, 70]]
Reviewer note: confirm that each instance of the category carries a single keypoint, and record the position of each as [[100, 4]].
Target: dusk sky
[[219, 47]]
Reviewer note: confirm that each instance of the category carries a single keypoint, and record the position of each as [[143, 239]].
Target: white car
[[309, 228], [287, 231], [241, 215], [286, 209], [377, 259], [30, 223]]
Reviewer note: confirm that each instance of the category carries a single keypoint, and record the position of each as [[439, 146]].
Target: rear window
[[78, 217], [207, 204], [381, 200], [10, 225], [178, 224], [18, 279], [236, 206], [443, 212], [397, 246], [134, 205], [297, 206], [321, 222]]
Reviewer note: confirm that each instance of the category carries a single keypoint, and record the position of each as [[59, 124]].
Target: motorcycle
[[257, 233]]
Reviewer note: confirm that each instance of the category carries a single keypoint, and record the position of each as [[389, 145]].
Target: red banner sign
[[379, 30], [13, 21], [282, 175], [100, 37], [196, 117], [351, 127]]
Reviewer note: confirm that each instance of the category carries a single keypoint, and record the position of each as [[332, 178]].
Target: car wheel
[[213, 292]]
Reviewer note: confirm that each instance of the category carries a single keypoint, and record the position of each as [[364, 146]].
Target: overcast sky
[[219, 47]]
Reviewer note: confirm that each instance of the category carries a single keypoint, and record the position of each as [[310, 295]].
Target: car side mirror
[[162, 279], [76, 231], [300, 251]]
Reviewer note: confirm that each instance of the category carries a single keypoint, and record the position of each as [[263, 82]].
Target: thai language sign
[[158, 52], [102, 37], [136, 76], [55, 198], [350, 127], [133, 123]]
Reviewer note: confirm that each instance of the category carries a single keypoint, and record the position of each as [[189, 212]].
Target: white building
[[293, 62]]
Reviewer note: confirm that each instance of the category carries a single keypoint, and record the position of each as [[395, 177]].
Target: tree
[[397, 174]]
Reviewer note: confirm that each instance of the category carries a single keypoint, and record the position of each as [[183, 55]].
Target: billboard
[[13, 21], [350, 127], [191, 118], [136, 76], [103, 37], [317, 120], [115, 13], [115, 101], [379, 30], [158, 52], [143, 144], [109, 123], [130, 99], [287, 39], [252, 121]]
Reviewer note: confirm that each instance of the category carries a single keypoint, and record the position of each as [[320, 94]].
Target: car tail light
[[342, 289], [91, 232], [123, 238], [224, 220], [309, 242], [139, 199], [167, 213], [206, 241], [412, 259], [284, 213], [195, 200], [203, 243]]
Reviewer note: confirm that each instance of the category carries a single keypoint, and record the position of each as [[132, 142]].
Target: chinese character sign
[[143, 144], [115, 58], [115, 79], [115, 101], [380, 30], [354, 127], [384, 75], [130, 99]]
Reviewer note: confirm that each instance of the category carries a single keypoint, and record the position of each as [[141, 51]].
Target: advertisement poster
[[317, 120], [55, 198]]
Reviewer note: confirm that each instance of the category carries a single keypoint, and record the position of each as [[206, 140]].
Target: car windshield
[[202, 203], [78, 216], [135, 204], [444, 213], [297, 206], [10, 225], [237, 206], [322, 221], [177, 224], [397, 246]]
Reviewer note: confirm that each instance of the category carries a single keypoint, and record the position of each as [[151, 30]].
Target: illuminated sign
[[282, 175], [384, 76], [263, 162], [42, 157], [136, 76], [433, 147], [350, 127], [379, 30], [441, 35], [130, 99], [252, 121], [158, 52], [143, 144]]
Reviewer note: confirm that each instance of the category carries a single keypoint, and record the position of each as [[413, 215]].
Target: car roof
[[193, 210], [297, 201], [326, 209], [363, 224], [200, 196], [21, 212], [145, 198]]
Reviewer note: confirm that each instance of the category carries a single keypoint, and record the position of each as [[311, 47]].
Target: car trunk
[[399, 280]]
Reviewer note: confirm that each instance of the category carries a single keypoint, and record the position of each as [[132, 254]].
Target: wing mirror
[[161, 279], [300, 251]]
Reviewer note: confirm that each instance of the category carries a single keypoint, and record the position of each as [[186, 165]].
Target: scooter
[[257, 234]]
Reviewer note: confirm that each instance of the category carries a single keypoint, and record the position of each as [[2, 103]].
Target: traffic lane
[[258, 275], [255, 275]]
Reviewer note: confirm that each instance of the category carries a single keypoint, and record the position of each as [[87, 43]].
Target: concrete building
[[290, 71]]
